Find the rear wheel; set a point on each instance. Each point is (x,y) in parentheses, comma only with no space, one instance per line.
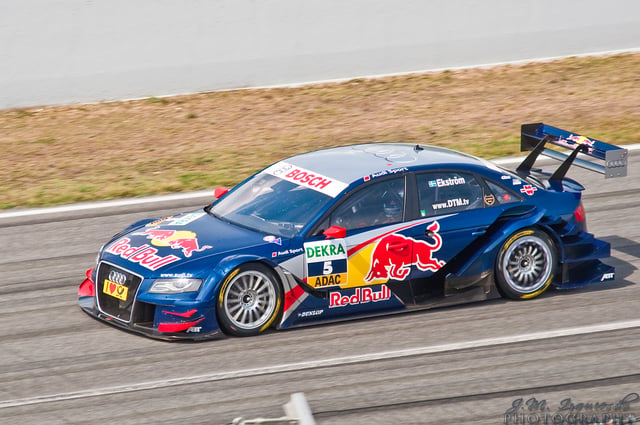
(249,301)
(526,264)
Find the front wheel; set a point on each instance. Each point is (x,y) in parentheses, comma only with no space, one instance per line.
(249,301)
(526,264)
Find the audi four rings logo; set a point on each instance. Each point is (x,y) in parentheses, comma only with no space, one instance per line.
(282,169)
(117,277)
(616,164)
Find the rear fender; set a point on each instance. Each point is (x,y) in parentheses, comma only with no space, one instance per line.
(481,259)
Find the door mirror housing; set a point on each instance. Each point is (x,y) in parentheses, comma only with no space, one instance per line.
(220,192)
(335,232)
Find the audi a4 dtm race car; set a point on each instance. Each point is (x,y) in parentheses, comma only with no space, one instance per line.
(357,230)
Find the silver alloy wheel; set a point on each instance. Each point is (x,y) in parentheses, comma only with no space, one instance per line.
(528,264)
(250,299)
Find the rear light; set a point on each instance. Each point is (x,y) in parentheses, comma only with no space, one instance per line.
(579,214)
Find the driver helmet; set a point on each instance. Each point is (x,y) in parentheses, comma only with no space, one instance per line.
(392,210)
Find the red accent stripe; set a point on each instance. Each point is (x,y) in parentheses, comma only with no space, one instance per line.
(292,296)
(186,314)
(177,327)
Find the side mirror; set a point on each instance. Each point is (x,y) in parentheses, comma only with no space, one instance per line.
(335,232)
(220,192)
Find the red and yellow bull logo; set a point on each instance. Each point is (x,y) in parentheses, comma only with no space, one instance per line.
(394,255)
(574,140)
(580,140)
(185,240)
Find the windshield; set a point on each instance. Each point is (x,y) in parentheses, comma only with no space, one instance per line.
(268,204)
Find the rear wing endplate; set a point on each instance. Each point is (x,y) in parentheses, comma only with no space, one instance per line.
(535,136)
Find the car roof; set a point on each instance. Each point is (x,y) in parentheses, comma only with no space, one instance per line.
(349,163)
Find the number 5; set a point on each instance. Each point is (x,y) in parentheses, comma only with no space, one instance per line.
(328,268)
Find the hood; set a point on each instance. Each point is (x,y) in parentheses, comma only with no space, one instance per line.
(171,243)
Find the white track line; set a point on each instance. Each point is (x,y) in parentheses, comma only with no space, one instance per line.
(331,362)
(418,71)
(100,205)
(449,68)
(86,206)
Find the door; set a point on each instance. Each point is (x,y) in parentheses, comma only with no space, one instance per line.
(367,214)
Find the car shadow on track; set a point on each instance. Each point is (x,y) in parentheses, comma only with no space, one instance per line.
(624,269)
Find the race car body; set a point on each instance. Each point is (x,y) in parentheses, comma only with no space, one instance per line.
(352,231)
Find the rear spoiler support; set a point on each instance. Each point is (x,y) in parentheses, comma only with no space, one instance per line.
(534,138)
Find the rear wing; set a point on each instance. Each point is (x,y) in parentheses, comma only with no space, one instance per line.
(535,136)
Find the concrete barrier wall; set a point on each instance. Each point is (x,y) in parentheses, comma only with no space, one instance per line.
(68,51)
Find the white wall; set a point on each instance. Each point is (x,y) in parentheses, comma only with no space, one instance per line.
(67,51)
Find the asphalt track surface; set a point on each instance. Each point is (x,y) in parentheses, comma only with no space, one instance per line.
(465,364)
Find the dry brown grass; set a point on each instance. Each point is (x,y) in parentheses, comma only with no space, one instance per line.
(63,154)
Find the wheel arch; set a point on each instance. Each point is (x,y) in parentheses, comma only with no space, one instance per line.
(228,264)
(235,270)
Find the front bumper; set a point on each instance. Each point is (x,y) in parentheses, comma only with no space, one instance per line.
(172,320)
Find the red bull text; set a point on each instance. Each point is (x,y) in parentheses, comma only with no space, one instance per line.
(144,255)
(361,296)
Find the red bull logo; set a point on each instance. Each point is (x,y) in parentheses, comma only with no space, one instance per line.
(176,239)
(580,140)
(394,255)
(573,141)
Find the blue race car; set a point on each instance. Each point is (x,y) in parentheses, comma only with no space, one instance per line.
(357,230)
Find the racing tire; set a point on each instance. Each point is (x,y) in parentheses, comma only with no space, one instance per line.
(249,301)
(526,264)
